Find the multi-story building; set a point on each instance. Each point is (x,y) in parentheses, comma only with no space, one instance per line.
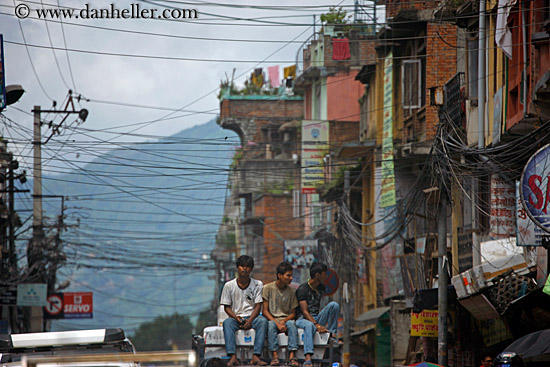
(259,214)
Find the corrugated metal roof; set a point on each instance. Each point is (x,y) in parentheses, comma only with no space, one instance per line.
(372,314)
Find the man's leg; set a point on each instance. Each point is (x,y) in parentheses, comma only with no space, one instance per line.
(309,332)
(272,332)
(329,317)
(292,332)
(230,326)
(260,326)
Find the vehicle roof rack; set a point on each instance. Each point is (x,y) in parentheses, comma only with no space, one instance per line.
(60,338)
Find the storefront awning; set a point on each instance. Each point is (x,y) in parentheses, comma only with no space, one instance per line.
(356,149)
(361,332)
(371,316)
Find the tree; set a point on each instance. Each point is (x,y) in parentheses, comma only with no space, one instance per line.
(164,333)
(335,16)
(206,318)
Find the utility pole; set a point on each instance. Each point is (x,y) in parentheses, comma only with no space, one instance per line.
(476,243)
(36,260)
(36,245)
(347,286)
(442,280)
(11,230)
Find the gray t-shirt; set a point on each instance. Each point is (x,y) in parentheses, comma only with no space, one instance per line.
(240,300)
(281,302)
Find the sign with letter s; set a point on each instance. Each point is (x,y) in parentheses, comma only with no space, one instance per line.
(535,188)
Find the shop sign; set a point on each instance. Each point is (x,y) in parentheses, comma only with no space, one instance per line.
(315,145)
(8,295)
(528,233)
(503,211)
(387,192)
(78,305)
(424,323)
(535,188)
(32,294)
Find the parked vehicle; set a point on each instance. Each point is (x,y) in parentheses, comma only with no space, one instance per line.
(47,344)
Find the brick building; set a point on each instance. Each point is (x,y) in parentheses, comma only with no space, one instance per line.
(258,213)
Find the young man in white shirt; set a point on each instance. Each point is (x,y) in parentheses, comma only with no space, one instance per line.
(242,301)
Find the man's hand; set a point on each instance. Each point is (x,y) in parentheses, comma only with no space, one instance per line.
(247,324)
(321,329)
(281,326)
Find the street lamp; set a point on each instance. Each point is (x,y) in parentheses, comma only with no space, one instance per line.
(13,94)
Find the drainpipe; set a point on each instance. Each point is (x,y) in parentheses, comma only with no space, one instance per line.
(442,281)
(524,32)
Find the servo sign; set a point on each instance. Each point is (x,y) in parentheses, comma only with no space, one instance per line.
(535,188)
(78,305)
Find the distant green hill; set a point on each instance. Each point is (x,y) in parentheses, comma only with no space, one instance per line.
(148,215)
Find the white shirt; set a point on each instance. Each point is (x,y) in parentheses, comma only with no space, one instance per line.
(240,300)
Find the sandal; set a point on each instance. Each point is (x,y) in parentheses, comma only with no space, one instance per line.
(275,362)
(234,364)
(259,362)
(293,362)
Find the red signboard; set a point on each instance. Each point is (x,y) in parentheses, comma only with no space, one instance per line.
(78,305)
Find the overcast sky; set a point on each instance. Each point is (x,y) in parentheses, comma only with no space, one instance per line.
(175,66)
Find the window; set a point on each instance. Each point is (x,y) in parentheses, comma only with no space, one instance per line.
(411,71)
(472,53)
(245,206)
(317,102)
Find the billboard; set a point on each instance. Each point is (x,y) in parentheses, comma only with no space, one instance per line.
(535,188)
(300,253)
(387,192)
(528,233)
(315,146)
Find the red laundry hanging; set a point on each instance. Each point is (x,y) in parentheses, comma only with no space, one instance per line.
(340,49)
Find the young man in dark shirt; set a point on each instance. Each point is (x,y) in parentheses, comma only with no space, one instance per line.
(312,318)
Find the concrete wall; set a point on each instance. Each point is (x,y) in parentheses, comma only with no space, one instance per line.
(343,92)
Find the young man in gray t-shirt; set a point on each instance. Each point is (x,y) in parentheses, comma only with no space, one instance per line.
(279,308)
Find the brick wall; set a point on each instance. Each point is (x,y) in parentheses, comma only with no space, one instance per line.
(343,132)
(440,66)
(261,108)
(362,50)
(277,213)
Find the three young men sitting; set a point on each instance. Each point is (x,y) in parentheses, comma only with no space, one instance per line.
(244,297)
